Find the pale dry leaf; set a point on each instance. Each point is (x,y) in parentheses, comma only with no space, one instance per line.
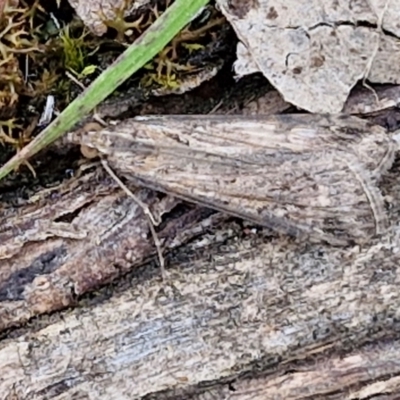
(94,12)
(244,65)
(315,51)
(391,21)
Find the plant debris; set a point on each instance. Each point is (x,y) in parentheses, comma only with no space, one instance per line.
(315,52)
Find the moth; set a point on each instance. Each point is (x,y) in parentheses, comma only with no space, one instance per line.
(299,174)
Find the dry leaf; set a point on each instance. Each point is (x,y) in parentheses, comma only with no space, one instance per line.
(314,52)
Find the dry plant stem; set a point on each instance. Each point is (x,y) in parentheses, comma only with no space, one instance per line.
(147,213)
(312,175)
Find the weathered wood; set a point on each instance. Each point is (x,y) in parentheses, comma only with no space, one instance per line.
(69,240)
(304,315)
(245,315)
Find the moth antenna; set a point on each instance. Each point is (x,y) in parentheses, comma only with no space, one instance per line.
(150,218)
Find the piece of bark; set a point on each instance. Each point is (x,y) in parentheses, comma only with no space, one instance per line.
(312,320)
(69,240)
(271,103)
(254,317)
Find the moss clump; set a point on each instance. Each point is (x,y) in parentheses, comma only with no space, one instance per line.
(123,26)
(73,50)
(14,42)
(169,68)
(33,62)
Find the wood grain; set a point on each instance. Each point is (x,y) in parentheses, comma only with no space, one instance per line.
(73,238)
(303,316)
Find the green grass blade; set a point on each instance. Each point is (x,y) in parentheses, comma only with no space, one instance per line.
(164,29)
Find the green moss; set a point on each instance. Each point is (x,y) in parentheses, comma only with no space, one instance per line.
(75,51)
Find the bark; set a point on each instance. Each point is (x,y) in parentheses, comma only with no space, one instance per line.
(72,238)
(243,314)
(259,317)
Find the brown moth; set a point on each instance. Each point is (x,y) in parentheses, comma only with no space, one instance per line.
(299,174)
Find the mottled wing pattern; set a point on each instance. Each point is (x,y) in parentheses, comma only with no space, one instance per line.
(298,174)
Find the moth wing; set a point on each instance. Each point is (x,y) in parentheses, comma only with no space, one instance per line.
(326,195)
(246,138)
(298,174)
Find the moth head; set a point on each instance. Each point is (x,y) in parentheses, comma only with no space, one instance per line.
(89,140)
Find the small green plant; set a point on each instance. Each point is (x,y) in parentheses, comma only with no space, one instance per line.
(75,52)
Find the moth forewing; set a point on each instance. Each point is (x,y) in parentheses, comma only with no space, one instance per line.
(299,174)
(244,135)
(333,201)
